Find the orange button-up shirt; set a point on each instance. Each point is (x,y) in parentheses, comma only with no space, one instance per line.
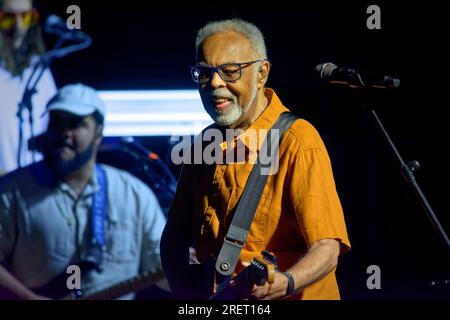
(299,204)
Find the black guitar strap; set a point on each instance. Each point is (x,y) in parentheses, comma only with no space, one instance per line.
(235,239)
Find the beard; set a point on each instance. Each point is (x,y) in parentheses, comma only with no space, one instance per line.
(64,167)
(232,113)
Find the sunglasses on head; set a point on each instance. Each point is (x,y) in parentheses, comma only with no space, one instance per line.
(9,19)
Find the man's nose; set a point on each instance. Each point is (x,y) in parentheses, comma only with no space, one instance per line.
(217,81)
(19,22)
(68,132)
(61,131)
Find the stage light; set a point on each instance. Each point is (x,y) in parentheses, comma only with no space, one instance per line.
(154,113)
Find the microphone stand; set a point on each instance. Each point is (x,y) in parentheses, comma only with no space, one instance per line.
(354,80)
(30,87)
(407,170)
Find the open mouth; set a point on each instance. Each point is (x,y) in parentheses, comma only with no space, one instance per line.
(65,145)
(65,148)
(222,103)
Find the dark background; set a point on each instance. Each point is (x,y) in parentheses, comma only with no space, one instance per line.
(138,45)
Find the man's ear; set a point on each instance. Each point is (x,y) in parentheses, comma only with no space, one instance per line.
(263,73)
(99,133)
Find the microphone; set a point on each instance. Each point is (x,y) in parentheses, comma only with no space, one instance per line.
(56,25)
(331,73)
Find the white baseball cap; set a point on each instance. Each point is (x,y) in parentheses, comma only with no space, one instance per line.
(77,99)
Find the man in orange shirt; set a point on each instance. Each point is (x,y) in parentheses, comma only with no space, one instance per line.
(299,217)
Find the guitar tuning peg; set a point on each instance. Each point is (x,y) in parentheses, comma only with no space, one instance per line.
(269,257)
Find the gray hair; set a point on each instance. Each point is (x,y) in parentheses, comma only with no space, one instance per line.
(247,29)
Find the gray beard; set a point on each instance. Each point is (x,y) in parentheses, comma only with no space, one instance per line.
(227,119)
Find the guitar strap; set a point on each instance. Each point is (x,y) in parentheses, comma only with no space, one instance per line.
(235,239)
(96,244)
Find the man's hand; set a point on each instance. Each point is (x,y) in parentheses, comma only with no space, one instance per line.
(270,291)
(320,259)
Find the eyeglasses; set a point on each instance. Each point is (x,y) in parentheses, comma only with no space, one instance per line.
(9,19)
(229,72)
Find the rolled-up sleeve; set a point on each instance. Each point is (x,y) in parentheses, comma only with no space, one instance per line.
(313,192)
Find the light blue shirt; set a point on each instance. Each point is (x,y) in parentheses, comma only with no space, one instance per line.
(43,227)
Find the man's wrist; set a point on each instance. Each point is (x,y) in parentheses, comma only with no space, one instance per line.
(291,284)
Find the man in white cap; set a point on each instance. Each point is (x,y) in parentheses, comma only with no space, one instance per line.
(68,210)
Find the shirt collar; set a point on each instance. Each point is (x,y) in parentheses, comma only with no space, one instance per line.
(91,187)
(258,129)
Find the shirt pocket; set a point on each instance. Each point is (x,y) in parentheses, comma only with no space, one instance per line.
(46,236)
(260,220)
(121,243)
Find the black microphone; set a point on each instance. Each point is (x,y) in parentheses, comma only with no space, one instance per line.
(56,25)
(331,73)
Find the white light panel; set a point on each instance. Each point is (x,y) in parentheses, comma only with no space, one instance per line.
(154,113)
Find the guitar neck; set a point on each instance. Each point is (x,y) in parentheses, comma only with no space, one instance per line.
(242,276)
(140,282)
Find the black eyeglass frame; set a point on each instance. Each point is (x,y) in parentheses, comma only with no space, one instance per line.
(218,69)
